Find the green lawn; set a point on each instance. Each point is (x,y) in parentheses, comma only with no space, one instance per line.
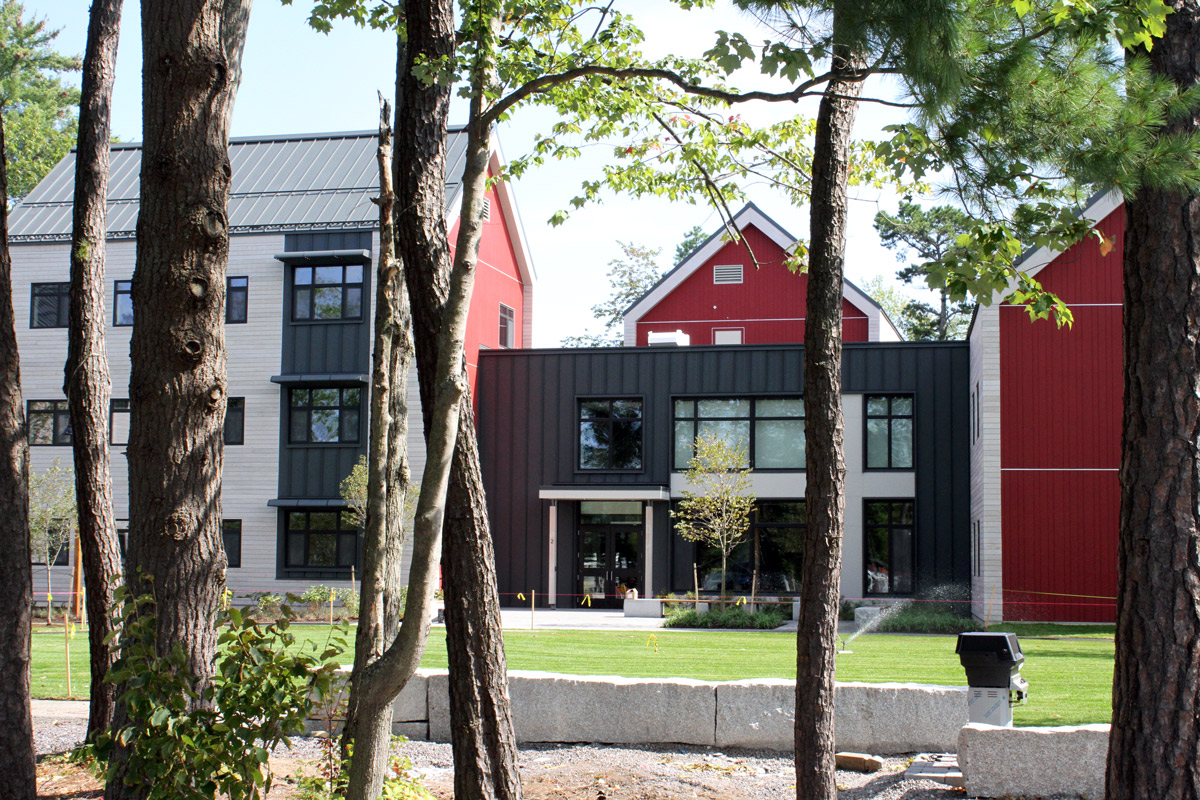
(1070,678)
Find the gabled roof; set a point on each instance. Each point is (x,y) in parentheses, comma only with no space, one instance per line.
(880,327)
(297,182)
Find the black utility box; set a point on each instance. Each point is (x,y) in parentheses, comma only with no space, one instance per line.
(990,659)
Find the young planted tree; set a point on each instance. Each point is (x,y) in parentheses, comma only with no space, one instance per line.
(53,519)
(86,377)
(716,506)
(16,590)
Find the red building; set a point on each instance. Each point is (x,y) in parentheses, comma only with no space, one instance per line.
(1045,439)
(742,292)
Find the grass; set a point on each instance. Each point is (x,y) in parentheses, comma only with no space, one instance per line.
(1070,679)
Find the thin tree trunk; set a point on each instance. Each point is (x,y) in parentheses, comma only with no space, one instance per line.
(86,379)
(484,744)
(191,65)
(825,492)
(370,730)
(1154,747)
(16,590)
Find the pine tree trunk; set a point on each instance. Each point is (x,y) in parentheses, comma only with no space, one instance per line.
(86,379)
(1154,749)
(825,493)
(191,64)
(484,744)
(16,590)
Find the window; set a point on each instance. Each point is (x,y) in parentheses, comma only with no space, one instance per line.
(237,296)
(888,534)
(327,293)
(321,539)
(51,305)
(324,416)
(610,434)
(507,328)
(235,420)
(976,428)
(889,432)
(231,537)
(767,561)
(122,538)
(977,548)
(118,422)
(727,336)
(771,429)
(49,422)
(57,542)
(123,303)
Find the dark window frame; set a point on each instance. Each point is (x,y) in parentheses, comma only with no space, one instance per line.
(122,289)
(752,419)
(233,558)
(307,409)
(230,291)
(346,534)
(889,526)
(60,436)
(61,292)
(742,559)
(61,559)
(113,410)
(507,334)
(580,420)
(235,409)
(342,286)
(891,417)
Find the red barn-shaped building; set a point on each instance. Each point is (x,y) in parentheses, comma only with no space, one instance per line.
(729,292)
(1045,439)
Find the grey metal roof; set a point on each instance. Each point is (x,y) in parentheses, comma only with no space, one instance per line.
(317,181)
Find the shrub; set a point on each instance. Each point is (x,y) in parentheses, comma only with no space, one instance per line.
(268,604)
(673,603)
(349,599)
(927,618)
(317,598)
(846,610)
(729,617)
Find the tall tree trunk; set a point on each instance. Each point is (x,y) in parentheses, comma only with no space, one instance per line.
(825,492)
(86,379)
(1154,749)
(16,590)
(369,729)
(191,65)
(484,744)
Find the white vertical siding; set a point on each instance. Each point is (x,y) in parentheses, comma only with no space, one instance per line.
(987,588)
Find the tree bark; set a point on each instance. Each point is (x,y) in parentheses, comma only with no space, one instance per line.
(191,64)
(484,745)
(86,377)
(1154,747)
(825,492)
(16,590)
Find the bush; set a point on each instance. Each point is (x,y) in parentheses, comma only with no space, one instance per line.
(673,603)
(349,599)
(846,610)
(927,618)
(729,617)
(268,605)
(317,598)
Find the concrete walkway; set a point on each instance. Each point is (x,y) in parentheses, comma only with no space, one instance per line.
(60,710)
(583,619)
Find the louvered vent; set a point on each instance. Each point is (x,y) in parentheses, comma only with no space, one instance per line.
(487,209)
(727,273)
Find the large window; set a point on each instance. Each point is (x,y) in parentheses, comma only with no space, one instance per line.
(888,546)
(237,296)
(889,432)
(324,416)
(118,422)
(49,422)
(321,539)
(768,561)
(327,293)
(770,429)
(51,305)
(507,326)
(610,434)
(123,303)
(231,537)
(235,420)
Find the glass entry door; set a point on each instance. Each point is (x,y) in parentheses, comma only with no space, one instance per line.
(609,563)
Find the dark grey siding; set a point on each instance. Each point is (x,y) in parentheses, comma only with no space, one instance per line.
(528,439)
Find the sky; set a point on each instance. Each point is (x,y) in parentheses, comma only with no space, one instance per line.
(296,80)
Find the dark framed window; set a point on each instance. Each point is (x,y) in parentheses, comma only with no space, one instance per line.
(321,539)
(235,420)
(49,422)
(769,429)
(118,422)
(123,303)
(231,537)
(324,416)
(237,298)
(610,434)
(768,560)
(51,305)
(507,326)
(122,538)
(888,546)
(62,558)
(327,293)
(889,439)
